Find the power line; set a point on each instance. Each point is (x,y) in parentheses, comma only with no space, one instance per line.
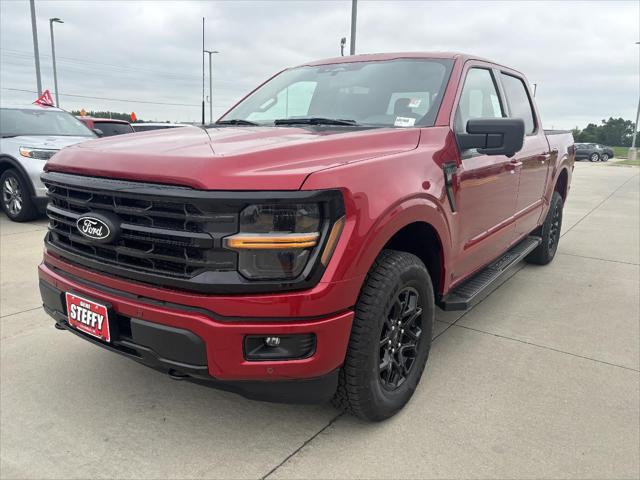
(112,99)
(21,53)
(83,64)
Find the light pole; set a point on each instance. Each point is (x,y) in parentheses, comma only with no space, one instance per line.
(210,52)
(633,153)
(202,70)
(53,56)
(36,51)
(354,15)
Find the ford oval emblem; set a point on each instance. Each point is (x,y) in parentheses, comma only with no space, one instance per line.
(97,227)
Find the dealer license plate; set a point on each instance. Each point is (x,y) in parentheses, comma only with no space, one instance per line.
(88,316)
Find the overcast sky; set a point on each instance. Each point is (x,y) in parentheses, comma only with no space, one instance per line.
(582,55)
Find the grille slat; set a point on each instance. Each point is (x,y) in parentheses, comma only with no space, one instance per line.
(144,212)
(161,235)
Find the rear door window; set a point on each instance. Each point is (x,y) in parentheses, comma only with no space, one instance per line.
(519,102)
(112,128)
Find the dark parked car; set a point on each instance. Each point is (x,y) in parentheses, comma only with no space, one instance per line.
(107,127)
(593,152)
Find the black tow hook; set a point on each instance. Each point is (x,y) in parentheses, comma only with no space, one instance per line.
(176,375)
(58,326)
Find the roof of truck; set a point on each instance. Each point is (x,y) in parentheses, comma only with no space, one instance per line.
(372,57)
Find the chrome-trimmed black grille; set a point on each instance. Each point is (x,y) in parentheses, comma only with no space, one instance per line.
(165,236)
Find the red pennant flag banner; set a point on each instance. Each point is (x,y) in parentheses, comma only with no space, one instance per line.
(45,99)
(133,116)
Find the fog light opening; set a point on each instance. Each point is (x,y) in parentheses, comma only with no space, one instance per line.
(279,347)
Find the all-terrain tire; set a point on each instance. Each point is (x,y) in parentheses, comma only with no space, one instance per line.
(550,233)
(361,390)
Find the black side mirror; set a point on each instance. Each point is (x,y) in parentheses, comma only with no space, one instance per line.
(493,136)
(98,132)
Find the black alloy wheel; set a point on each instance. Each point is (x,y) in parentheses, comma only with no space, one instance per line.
(400,338)
(549,233)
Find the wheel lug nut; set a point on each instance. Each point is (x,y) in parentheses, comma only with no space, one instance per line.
(389,342)
(393,350)
(392,327)
(402,331)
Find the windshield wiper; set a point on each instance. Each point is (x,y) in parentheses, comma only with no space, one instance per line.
(314,121)
(236,121)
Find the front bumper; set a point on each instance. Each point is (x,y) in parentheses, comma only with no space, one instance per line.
(186,342)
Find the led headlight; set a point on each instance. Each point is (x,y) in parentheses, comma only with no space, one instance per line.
(276,241)
(37,153)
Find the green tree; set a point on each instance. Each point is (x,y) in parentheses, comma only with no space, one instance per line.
(614,132)
(108,114)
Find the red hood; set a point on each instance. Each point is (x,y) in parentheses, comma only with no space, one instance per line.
(229,158)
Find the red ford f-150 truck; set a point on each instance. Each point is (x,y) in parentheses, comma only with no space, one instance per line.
(296,249)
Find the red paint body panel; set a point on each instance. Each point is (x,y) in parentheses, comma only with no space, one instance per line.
(389,178)
(224,339)
(242,158)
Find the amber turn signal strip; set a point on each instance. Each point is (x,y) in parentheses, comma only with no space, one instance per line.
(287,241)
(336,230)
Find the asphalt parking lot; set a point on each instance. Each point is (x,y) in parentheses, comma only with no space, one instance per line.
(540,380)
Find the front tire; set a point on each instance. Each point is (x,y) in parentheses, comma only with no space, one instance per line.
(594,157)
(551,227)
(605,157)
(16,201)
(390,338)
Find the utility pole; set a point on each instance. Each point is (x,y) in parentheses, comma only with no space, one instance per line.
(53,56)
(633,153)
(354,15)
(210,52)
(202,70)
(36,51)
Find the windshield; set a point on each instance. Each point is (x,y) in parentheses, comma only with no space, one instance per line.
(400,93)
(17,121)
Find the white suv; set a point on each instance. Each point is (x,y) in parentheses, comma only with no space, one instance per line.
(29,136)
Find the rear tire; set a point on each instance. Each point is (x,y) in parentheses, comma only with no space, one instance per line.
(551,228)
(390,338)
(15,198)
(605,157)
(594,157)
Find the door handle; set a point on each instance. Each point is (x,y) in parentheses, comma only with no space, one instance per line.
(512,166)
(547,156)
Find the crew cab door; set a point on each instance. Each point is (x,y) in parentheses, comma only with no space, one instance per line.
(487,184)
(534,158)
